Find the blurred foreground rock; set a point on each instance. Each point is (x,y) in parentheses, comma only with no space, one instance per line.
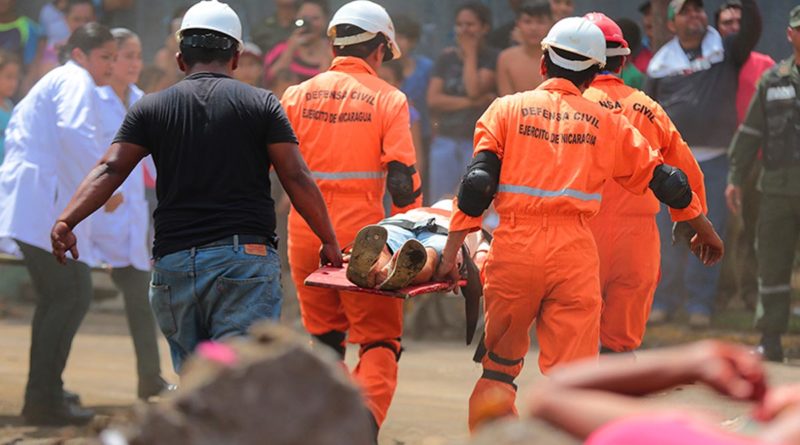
(519,432)
(269,389)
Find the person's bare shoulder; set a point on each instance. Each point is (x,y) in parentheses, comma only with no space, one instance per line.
(508,54)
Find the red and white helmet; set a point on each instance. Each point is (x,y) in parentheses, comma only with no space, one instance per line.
(612,33)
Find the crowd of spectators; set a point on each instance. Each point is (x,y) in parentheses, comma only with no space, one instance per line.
(709,68)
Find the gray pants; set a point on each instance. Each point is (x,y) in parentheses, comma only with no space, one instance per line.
(778,232)
(135,285)
(63,297)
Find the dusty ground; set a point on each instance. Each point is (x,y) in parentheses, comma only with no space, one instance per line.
(429,408)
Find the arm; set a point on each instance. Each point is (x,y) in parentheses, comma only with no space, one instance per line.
(504,84)
(678,154)
(744,149)
(581,397)
(470,48)
(398,155)
(305,196)
(750,32)
(440,102)
(94,191)
(661,33)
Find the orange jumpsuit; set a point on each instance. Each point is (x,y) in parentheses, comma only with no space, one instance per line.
(625,228)
(557,149)
(350,125)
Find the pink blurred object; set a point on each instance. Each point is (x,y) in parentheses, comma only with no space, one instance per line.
(217,352)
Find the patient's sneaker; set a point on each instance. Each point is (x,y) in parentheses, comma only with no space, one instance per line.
(367,248)
(406,264)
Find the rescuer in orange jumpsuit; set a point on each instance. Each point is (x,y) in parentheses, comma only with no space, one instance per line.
(543,157)
(625,228)
(354,134)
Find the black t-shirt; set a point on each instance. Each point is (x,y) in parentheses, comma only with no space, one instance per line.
(208,135)
(450,67)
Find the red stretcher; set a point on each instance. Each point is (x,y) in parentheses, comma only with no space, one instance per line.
(335,278)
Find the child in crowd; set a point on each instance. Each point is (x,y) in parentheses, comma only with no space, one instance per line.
(251,68)
(10,74)
(518,66)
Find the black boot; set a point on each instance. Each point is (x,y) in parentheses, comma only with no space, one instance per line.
(153,387)
(770,347)
(62,413)
(72,398)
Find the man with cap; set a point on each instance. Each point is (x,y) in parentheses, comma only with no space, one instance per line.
(543,156)
(355,134)
(625,228)
(695,77)
(213,140)
(772,124)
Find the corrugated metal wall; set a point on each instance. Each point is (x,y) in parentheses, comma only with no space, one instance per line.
(150,17)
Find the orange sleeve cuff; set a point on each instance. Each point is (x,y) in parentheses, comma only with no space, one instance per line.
(694,210)
(461,221)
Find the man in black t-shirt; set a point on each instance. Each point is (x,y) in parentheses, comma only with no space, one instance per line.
(213,140)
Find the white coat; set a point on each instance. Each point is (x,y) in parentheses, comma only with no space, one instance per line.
(119,238)
(51,145)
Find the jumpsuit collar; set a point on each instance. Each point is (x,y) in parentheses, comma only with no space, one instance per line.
(607,78)
(349,64)
(558,84)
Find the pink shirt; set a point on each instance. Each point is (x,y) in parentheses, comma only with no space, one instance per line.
(665,429)
(748,80)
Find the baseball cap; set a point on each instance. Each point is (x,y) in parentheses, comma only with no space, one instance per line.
(794,17)
(675,7)
(252,49)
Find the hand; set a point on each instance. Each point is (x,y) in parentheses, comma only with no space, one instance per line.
(330,255)
(63,240)
(447,270)
(298,38)
(682,232)
(706,245)
(733,196)
(114,202)
(468,43)
(776,401)
(732,370)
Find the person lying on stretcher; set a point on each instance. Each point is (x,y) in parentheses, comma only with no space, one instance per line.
(404,250)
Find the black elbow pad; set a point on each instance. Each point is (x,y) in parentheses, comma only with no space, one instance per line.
(479,184)
(671,186)
(400,183)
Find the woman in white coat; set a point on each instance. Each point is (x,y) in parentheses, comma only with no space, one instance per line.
(119,231)
(51,145)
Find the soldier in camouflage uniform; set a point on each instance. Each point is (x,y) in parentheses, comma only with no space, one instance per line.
(773,122)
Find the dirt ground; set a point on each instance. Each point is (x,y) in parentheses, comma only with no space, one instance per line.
(430,407)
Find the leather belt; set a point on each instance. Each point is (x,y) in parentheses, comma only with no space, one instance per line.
(242,239)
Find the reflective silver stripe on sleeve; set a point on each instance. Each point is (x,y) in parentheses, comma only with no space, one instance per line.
(348,175)
(750,131)
(779,289)
(539,193)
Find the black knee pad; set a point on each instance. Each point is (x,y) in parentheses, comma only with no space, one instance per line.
(398,351)
(334,340)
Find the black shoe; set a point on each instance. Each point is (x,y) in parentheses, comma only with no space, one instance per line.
(770,347)
(62,414)
(153,387)
(72,398)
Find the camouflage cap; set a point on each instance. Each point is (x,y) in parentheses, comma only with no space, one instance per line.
(675,7)
(794,17)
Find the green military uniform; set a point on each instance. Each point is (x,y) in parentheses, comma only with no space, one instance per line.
(773,122)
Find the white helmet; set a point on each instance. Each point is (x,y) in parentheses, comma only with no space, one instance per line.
(368,16)
(578,36)
(214,16)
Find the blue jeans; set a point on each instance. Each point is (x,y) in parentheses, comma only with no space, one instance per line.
(398,236)
(213,293)
(682,274)
(449,158)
